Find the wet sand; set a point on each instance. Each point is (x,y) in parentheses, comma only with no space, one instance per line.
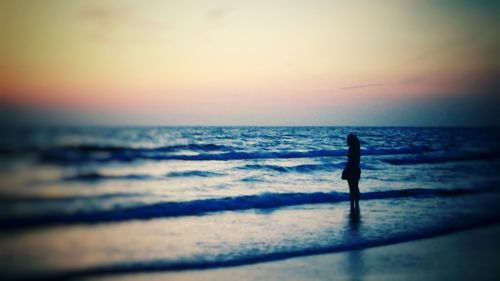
(467,255)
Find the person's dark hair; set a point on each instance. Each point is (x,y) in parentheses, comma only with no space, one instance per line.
(352,140)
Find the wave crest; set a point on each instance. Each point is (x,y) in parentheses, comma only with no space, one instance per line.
(201,206)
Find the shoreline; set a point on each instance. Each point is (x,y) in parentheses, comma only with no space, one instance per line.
(464,255)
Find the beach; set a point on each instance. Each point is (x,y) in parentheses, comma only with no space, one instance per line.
(205,202)
(466,255)
(249,140)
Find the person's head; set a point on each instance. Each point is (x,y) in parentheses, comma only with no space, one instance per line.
(352,140)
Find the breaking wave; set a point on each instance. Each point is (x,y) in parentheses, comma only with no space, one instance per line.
(202,206)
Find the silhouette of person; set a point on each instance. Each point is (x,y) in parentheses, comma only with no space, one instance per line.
(352,171)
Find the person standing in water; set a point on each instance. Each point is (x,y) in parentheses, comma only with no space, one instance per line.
(352,171)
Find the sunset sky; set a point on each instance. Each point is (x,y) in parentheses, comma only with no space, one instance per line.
(260,62)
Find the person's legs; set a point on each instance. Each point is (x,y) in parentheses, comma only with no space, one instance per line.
(356,193)
(352,194)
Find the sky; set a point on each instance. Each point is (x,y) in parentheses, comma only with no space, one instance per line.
(260,62)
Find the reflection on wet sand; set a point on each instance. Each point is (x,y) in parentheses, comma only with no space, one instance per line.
(355,258)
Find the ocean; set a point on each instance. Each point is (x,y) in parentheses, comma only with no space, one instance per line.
(87,201)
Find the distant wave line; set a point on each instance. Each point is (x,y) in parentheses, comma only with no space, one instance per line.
(304,168)
(96,176)
(428,159)
(23,199)
(68,157)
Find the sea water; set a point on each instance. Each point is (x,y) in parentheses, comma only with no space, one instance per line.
(85,201)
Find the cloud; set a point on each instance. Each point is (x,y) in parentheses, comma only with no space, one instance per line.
(441,48)
(414,80)
(217,14)
(361,86)
(105,17)
(105,20)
